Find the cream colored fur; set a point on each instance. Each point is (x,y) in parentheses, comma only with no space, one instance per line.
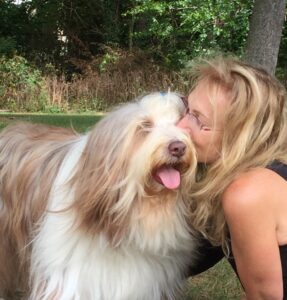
(82,217)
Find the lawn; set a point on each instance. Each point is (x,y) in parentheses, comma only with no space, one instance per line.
(80,123)
(218,283)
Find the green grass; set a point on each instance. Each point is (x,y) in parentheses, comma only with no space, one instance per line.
(218,283)
(80,122)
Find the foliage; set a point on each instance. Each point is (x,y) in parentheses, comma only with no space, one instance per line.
(117,77)
(282,58)
(183,29)
(21,86)
(14,27)
(176,31)
(7,46)
(55,31)
(92,54)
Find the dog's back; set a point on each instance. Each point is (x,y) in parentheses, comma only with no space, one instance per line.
(27,158)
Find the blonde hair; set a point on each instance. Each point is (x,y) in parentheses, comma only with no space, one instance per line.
(255,134)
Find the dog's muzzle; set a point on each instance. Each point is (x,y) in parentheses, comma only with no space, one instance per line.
(169,174)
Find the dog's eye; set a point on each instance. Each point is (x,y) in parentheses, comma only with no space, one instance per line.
(147,124)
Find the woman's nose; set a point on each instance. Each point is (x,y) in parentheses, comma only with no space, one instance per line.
(182,123)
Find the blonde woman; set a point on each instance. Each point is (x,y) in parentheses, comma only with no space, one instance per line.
(236,117)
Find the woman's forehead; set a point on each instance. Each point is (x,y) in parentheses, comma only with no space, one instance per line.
(209,90)
(209,99)
(200,92)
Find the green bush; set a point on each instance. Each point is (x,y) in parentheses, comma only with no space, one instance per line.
(21,86)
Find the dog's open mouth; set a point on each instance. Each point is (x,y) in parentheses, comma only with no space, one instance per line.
(168,176)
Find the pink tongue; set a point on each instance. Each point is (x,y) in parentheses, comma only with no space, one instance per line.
(170,177)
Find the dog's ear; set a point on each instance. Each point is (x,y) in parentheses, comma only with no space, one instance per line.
(101,176)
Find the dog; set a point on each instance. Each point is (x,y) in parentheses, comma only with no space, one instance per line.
(98,216)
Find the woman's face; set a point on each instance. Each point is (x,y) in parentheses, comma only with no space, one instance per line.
(204,120)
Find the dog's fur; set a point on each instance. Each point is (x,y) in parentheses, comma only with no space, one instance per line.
(83,217)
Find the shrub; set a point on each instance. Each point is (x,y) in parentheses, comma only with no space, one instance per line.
(21,86)
(116,77)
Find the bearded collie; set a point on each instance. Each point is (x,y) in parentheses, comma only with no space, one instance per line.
(98,216)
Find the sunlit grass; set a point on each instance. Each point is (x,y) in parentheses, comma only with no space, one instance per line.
(217,283)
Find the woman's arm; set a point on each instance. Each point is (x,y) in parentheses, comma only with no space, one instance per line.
(249,208)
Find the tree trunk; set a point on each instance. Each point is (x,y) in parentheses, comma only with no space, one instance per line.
(265,32)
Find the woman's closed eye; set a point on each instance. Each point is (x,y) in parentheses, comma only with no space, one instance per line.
(194,118)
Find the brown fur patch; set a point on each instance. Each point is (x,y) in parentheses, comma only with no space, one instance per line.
(30,157)
(96,177)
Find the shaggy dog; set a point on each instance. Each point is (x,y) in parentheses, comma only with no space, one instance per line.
(100,216)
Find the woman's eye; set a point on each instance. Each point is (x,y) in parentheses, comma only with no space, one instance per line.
(205,128)
(197,121)
(195,118)
(202,126)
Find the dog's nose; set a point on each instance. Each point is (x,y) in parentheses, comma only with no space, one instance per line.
(177,148)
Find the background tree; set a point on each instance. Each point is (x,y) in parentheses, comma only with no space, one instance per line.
(265,33)
(180,30)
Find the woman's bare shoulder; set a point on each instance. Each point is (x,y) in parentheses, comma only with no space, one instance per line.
(253,189)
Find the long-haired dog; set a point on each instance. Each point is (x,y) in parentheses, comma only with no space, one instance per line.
(100,216)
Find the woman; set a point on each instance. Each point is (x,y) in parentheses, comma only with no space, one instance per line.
(236,117)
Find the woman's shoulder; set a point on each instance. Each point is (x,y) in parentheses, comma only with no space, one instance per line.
(259,187)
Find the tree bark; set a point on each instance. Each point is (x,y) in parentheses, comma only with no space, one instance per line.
(266,25)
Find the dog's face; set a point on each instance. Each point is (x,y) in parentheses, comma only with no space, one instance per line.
(163,156)
(139,145)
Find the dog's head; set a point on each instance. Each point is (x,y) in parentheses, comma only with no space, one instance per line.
(163,156)
(136,151)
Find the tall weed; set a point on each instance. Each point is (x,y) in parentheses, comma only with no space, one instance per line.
(112,79)
(104,82)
